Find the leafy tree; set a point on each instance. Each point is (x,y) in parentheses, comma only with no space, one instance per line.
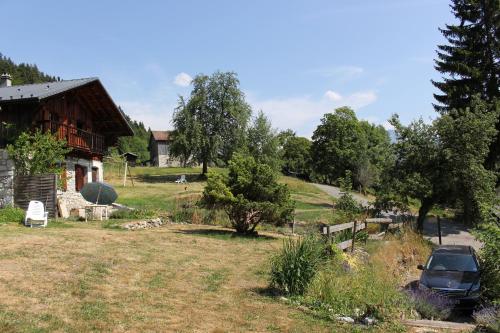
(338,144)
(419,170)
(470,63)
(37,153)
(186,133)
(250,194)
(466,141)
(377,156)
(296,156)
(217,114)
(263,142)
(138,143)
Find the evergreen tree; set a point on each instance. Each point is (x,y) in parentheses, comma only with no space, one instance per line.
(23,73)
(470,62)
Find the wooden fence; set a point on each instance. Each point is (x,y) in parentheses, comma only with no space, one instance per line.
(41,187)
(356,226)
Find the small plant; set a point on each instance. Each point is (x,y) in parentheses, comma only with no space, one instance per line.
(297,263)
(11,214)
(431,305)
(488,318)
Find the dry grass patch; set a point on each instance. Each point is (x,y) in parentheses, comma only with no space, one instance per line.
(87,278)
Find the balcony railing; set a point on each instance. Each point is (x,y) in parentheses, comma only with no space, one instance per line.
(76,138)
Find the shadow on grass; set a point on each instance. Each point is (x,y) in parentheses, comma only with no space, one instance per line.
(190,178)
(224,234)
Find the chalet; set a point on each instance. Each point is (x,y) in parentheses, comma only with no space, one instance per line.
(78,111)
(159,148)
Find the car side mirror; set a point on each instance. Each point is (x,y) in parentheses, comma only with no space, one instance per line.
(421,267)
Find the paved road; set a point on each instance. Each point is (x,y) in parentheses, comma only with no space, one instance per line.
(335,192)
(452,233)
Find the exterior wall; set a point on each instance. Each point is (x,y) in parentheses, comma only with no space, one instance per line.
(161,155)
(6,180)
(73,200)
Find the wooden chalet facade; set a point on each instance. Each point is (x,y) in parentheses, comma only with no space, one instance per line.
(81,112)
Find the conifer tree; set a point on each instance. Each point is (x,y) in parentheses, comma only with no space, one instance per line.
(469,63)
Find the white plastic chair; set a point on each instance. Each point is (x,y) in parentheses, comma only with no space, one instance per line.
(36,212)
(181,180)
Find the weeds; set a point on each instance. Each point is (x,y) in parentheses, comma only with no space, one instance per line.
(295,266)
(213,281)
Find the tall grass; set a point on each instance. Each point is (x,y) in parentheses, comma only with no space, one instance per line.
(295,266)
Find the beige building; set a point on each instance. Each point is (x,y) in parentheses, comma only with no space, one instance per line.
(159,148)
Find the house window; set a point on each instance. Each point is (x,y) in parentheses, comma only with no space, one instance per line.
(80,177)
(95,174)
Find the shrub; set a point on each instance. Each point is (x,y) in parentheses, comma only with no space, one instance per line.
(431,305)
(295,266)
(11,214)
(489,233)
(250,195)
(37,153)
(367,291)
(488,318)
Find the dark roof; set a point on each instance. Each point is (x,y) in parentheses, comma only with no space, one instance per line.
(41,90)
(161,135)
(453,249)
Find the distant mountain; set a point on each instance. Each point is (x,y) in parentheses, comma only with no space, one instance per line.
(24,73)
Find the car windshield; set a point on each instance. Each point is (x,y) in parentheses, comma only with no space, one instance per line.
(452,262)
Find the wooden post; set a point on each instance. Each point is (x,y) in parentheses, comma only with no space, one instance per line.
(130,174)
(439,229)
(353,235)
(125,174)
(366,230)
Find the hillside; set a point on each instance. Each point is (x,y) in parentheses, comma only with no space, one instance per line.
(24,73)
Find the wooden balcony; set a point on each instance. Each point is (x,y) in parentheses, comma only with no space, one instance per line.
(76,138)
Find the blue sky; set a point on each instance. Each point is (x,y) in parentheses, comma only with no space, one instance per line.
(296,60)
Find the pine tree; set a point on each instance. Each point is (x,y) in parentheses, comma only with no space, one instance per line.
(470,62)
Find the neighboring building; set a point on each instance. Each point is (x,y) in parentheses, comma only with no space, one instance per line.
(159,148)
(78,111)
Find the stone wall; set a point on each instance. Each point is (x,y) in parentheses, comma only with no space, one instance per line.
(6,179)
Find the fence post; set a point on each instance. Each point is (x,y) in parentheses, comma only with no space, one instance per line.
(353,235)
(439,229)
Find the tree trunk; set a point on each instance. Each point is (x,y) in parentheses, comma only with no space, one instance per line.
(205,167)
(425,206)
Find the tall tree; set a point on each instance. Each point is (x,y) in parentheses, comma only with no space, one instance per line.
(419,170)
(470,63)
(296,156)
(338,144)
(263,142)
(219,112)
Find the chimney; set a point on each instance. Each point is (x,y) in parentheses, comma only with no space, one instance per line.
(5,80)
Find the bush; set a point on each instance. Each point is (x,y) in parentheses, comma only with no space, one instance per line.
(11,214)
(431,305)
(297,263)
(489,233)
(250,195)
(488,318)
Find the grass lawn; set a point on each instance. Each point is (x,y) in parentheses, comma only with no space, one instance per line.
(155,188)
(77,277)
